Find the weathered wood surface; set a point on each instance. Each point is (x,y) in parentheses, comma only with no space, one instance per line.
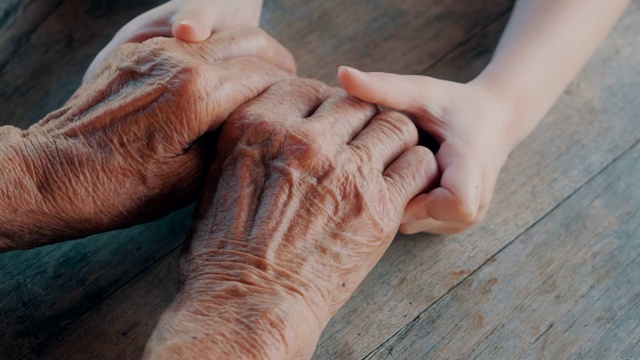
(14,30)
(99,297)
(56,43)
(566,288)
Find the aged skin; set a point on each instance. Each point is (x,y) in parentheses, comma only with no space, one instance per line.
(306,194)
(125,148)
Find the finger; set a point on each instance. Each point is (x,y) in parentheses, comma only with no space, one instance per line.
(293,99)
(400,92)
(244,41)
(385,138)
(195,20)
(234,83)
(146,26)
(345,115)
(412,225)
(458,197)
(414,171)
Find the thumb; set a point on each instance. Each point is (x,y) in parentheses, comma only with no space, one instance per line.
(195,21)
(400,92)
(459,196)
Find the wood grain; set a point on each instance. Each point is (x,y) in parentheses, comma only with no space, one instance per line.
(567,288)
(48,45)
(394,36)
(48,288)
(118,328)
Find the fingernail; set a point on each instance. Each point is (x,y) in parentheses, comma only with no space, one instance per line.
(190,23)
(349,68)
(189,30)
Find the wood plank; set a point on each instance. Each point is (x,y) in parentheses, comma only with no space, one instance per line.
(119,327)
(19,19)
(567,288)
(591,125)
(46,289)
(47,59)
(401,37)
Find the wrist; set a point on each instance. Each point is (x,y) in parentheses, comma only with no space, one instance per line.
(33,201)
(513,111)
(19,195)
(229,319)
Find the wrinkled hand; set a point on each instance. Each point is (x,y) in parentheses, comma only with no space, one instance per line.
(125,148)
(306,194)
(187,20)
(472,130)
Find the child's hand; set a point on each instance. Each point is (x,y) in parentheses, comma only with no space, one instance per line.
(474,137)
(188,20)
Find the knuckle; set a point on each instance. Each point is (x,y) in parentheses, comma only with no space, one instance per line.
(427,156)
(155,42)
(315,141)
(426,108)
(340,96)
(301,147)
(429,164)
(151,59)
(397,125)
(307,87)
(129,54)
(362,153)
(372,109)
(127,48)
(251,127)
(187,81)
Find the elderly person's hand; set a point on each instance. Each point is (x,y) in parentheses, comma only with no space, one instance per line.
(187,20)
(125,148)
(306,194)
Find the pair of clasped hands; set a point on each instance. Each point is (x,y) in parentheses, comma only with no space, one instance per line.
(300,193)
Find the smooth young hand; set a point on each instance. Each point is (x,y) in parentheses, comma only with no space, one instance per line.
(187,20)
(474,138)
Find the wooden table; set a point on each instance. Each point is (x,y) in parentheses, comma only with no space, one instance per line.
(553,272)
